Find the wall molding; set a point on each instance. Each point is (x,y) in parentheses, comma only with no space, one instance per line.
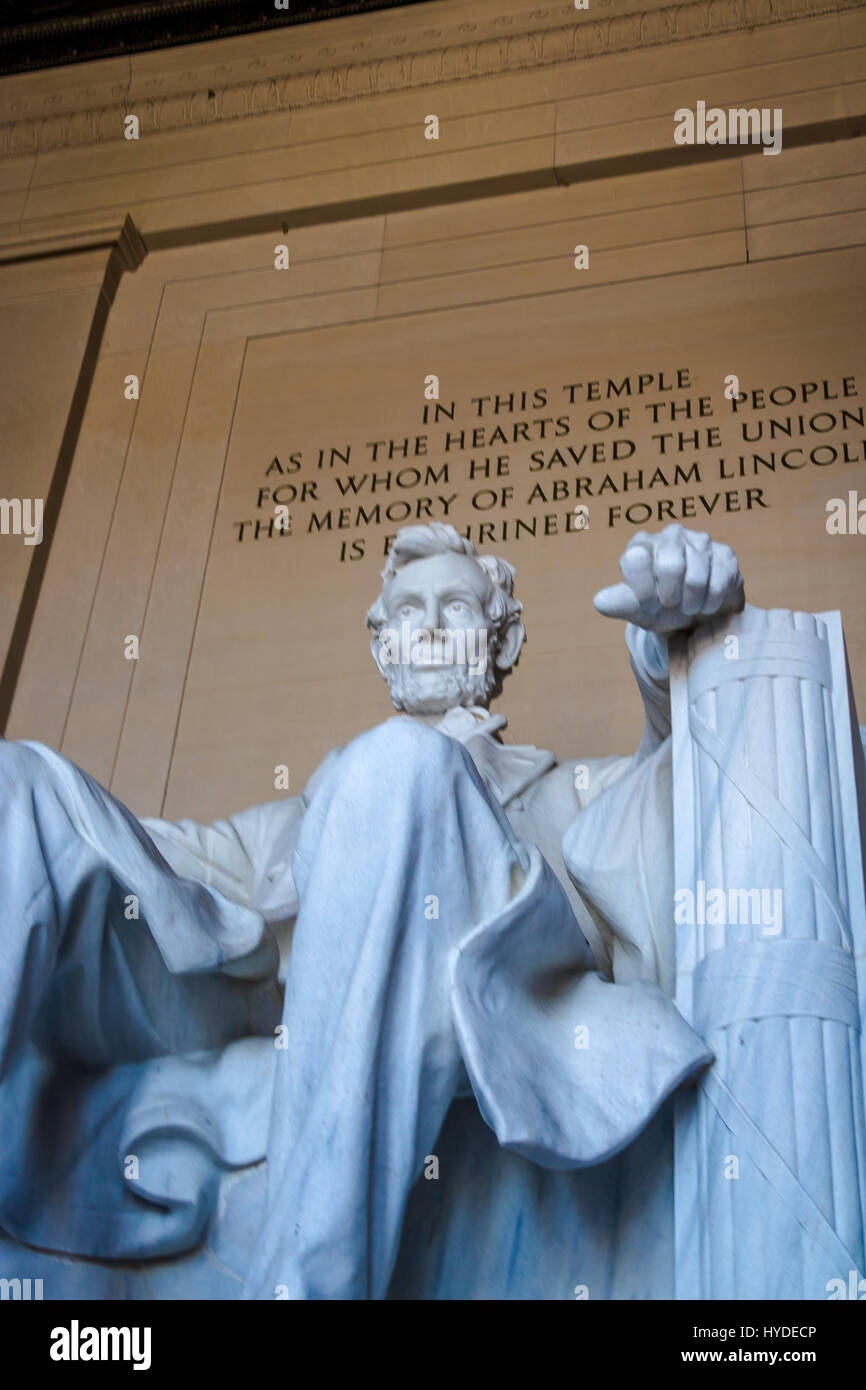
(121,238)
(239,78)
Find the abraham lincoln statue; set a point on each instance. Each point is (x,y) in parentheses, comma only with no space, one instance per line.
(410,1034)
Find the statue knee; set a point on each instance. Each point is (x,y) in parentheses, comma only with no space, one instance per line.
(402,744)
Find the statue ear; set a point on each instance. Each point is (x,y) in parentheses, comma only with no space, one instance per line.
(509,642)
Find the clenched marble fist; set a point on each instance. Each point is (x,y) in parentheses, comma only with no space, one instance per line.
(674,580)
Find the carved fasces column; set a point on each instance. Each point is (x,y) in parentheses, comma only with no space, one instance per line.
(770,933)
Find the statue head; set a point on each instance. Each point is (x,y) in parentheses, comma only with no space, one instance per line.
(446,628)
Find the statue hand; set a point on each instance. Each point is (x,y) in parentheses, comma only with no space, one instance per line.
(674,580)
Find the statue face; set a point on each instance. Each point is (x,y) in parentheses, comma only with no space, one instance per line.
(436,638)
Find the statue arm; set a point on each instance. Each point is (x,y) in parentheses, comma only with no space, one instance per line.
(648,653)
(215,855)
(247,857)
(672,581)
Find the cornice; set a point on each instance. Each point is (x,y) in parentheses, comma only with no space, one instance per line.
(52,37)
(289,69)
(123,236)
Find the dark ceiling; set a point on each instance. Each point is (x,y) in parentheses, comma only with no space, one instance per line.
(52,33)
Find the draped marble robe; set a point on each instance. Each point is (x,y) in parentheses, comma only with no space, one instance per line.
(499,1225)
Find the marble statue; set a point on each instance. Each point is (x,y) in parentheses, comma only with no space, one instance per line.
(433,1029)
(770,945)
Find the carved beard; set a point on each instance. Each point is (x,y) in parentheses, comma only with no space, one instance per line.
(450,688)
